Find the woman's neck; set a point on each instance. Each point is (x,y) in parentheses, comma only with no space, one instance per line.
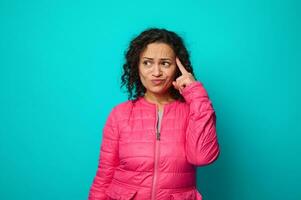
(158,99)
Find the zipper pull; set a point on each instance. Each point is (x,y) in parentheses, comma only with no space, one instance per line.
(158,135)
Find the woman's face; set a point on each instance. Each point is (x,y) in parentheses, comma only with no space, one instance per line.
(157,68)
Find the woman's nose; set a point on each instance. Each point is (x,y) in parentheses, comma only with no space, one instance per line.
(157,70)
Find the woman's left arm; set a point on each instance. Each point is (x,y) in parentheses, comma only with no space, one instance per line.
(202,146)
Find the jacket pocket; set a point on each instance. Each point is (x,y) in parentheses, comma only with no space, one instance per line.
(116,192)
(187,195)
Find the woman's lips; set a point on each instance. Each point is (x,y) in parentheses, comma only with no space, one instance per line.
(157,82)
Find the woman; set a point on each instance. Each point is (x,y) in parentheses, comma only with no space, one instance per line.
(153,142)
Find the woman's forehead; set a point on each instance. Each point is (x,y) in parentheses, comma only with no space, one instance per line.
(158,50)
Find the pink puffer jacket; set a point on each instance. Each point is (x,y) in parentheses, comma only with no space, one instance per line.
(139,162)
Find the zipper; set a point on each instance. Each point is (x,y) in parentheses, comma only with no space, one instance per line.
(157,152)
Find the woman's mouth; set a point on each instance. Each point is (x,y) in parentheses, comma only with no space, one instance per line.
(157,81)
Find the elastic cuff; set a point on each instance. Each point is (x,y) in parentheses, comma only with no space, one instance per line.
(195,89)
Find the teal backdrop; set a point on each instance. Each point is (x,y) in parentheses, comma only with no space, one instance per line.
(60,74)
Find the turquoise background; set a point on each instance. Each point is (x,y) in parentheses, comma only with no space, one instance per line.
(60,73)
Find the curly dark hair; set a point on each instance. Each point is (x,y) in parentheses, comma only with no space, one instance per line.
(130,76)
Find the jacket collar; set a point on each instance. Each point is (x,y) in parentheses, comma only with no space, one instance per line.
(145,102)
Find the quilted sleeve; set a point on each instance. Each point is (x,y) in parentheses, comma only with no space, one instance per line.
(108,159)
(202,146)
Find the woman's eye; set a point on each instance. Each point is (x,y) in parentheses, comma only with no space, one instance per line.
(166,64)
(146,62)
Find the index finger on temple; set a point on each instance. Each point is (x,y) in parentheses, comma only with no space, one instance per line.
(181,67)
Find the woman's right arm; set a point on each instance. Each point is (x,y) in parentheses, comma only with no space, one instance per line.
(108,159)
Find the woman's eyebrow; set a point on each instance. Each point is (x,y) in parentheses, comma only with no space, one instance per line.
(166,59)
(160,58)
(148,58)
